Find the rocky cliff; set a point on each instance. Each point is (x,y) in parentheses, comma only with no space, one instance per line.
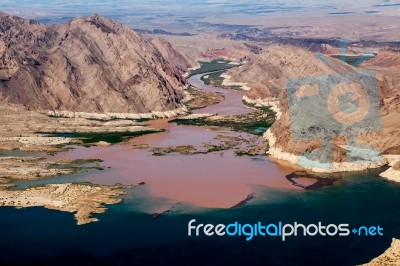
(90,64)
(267,76)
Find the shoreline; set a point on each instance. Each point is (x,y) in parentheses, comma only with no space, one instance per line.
(390,174)
(110,116)
(279,154)
(82,199)
(391,256)
(89,198)
(273,103)
(228,83)
(393,173)
(274,152)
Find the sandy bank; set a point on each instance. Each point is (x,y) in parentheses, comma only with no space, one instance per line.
(228,82)
(81,199)
(391,257)
(28,131)
(109,116)
(273,103)
(393,173)
(31,168)
(196,116)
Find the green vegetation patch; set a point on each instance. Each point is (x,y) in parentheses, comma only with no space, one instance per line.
(202,99)
(215,65)
(215,79)
(106,119)
(354,60)
(255,123)
(110,137)
(253,151)
(118,119)
(79,165)
(184,150)
(85,161)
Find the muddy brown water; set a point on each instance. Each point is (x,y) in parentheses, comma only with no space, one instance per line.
(232,105)
(214,180)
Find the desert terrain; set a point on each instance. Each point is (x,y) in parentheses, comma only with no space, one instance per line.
(100,80)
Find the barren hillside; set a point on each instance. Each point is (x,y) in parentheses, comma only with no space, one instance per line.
(268,74)
(90,64)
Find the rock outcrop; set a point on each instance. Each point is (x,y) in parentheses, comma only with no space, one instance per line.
(91,64)
(390,257)
(267,77)
(81,199)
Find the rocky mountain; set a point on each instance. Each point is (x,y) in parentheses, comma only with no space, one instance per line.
(267,76)
(91,64)
(179,60)
(268,72)
(388,58)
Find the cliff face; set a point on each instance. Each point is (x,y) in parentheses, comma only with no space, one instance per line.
(88,65)
(267,73)
(267,76)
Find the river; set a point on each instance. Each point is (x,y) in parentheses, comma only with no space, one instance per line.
(214,180)
(201,187)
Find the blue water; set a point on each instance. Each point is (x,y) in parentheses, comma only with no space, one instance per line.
(128,235)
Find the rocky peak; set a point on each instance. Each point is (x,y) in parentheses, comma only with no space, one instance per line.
(91,64)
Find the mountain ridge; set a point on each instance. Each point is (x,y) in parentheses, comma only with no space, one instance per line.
(91,64)
(267,75)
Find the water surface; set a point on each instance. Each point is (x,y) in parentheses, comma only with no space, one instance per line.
(201,187)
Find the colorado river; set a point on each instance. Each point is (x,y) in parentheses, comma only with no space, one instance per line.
(232,105)
(215,180)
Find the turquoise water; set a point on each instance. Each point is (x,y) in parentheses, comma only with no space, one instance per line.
(128,235)
(354,60)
